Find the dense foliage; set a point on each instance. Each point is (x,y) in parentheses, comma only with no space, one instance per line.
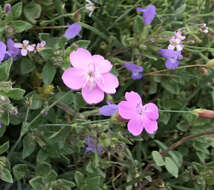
(56,138)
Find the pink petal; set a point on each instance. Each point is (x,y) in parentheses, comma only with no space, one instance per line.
(135,127)
(18,45)
(150,126)
(151,111)
(102,65)
(74,78)
(133,97)
(92,96)
(171,47)
(23,52)
(81,58)
(109,83)
(127,110)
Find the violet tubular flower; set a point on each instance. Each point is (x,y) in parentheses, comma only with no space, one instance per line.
(73,31)
(92,146)
(135,70)
(12,51)
(140,116)
(108,110)
(148,14)
(172,57)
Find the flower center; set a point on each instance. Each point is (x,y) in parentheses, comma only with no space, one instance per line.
(139,109)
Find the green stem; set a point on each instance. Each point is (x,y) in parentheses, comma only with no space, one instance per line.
(175,111)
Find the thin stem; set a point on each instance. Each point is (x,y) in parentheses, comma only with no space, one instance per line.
(176,111)
(180,67)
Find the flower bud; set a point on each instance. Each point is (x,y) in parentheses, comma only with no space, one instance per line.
(204,113)
(210,64)
(7,8)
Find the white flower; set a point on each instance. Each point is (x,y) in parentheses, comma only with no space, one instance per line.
(90,7)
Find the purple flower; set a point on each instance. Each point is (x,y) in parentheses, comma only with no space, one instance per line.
(0,125)
(25,47)
(7,8)
(136,70)
(2,51)
(148,14)
(171,57)
(12,51)
(73,30)
(108,110)
(92,146)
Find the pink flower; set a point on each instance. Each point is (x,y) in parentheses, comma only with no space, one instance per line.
(178,35)
(175,43)
(140,116)
(91,74)
(25,47)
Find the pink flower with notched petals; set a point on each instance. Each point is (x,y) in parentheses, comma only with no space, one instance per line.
(91,73)
(25,47)
(140,116)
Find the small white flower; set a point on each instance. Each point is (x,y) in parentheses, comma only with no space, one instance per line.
(204,28)
(90,7)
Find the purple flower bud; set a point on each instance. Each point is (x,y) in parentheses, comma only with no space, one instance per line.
(73,30)
(7,8)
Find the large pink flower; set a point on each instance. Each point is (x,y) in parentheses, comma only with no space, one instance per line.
(140,116)
(91,74)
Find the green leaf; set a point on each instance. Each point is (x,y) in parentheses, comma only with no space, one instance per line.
(5,69)
(16,10)
(48,73)
(26,65)
(16,93)
(20,171)
(47,54)
(32,11)
(4,147)
(83,43)
(79,178)
(5,119)
(28,146)
(36,182)
(171,167)
(36,101)
(21,26)
(5,175)
(157,157)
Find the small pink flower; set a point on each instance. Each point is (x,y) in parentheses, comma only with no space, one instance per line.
(40,46)
(178,35)
(140,116)
(25,47)
(91,74)
(175,43)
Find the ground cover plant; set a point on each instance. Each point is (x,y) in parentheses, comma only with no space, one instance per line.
(106,94)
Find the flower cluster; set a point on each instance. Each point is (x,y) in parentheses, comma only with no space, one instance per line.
(173,53)
(26,48)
